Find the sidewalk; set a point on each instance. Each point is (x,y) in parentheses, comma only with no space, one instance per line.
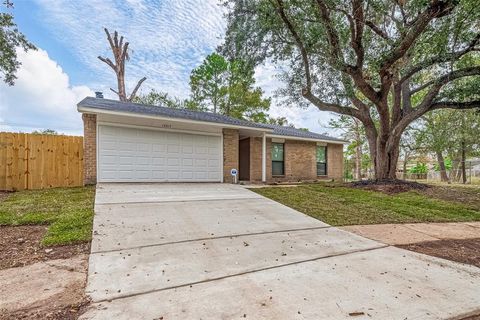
(399,234)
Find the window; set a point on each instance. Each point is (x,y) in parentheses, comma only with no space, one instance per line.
(321,161)
(278,168)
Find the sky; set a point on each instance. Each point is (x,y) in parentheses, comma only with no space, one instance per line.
(168,39)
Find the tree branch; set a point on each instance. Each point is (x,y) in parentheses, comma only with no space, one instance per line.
(359,18)
(354,71)
(134,92)
(427,104)
(333,39)
(109,62)
(109,38)
(332,107)
(440,59)
(437,8)
(421,87)
(377,30)
(441,81)
(455,105)
(299,43)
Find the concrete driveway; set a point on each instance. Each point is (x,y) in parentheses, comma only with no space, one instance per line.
(220,251)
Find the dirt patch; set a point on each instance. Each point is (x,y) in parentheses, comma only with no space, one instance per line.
(465,195)
(50,311)
(21,246)
(4,195)
(464,251)
(389,186)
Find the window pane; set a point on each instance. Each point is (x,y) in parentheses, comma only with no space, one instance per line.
(277,168)
(321,154)
(321,169)
(277,152)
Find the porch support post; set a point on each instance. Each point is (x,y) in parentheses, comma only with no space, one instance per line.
(264,158)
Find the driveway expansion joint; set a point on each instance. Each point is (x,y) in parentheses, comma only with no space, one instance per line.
(210,238)
(173,201)
(239,274)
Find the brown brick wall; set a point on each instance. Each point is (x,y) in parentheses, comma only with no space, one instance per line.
(255,159)
(90,148)
(230,153)
(335,161)
(300,161)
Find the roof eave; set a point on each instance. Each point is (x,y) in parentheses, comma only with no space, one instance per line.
(92,110)
(281,136)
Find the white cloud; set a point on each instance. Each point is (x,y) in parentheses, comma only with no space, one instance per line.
(42,97)
(169,38)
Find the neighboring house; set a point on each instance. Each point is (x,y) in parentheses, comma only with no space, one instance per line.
(128,142)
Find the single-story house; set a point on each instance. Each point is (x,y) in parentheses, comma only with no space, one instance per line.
(129,142)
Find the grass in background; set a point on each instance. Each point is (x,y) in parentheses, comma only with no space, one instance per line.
(67,211)
(342,205)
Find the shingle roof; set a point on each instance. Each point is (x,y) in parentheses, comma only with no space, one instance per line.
(128,107)
(293,132)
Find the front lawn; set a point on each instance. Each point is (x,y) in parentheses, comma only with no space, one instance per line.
(343,205)
(67,211)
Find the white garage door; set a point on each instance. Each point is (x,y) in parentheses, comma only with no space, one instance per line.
(141,155)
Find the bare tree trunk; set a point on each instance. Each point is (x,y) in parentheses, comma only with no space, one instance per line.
(464,170)
(120,55)
(441,165)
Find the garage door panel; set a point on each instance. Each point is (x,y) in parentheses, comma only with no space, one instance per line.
(131,154)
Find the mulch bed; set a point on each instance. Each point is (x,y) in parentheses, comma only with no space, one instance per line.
(389,186)
(464,251)
(21,246)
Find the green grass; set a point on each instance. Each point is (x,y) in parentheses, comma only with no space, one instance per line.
(342,205)
(67,211)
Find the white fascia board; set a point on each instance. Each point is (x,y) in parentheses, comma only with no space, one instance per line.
(304,139)
(145,116)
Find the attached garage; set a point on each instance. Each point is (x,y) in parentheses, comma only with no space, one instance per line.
(127,154)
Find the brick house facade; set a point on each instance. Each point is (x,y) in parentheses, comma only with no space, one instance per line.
(240,146)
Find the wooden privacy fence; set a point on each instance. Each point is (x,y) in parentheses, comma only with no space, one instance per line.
(36,161)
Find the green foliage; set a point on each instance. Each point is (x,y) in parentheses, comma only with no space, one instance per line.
(444,131)
(10,40)
(163,99)
(227,87)
(447,163)
(45,131)
(67,211)
(419,168)
(352,130)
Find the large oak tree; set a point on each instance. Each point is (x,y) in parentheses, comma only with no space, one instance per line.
(369,59)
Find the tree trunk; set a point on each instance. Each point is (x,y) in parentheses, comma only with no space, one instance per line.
(387,160)
(405,159)
(358,156)
(441,165)
(122,94)
(464,170)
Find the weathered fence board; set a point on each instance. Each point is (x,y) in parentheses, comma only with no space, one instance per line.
(37,161)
